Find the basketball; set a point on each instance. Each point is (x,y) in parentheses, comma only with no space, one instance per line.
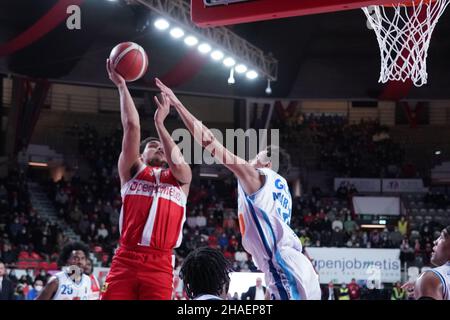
(129,60)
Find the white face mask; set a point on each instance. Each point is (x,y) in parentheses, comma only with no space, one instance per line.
(38,288)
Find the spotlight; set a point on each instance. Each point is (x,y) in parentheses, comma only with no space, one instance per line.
(252,75)
(204,48)
(191,41)
(437,152)
(229,62)
(217,55)
(241,68)
(176,33)
(161,24)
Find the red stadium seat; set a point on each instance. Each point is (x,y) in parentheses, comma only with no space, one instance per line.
(44,265)
(24,255)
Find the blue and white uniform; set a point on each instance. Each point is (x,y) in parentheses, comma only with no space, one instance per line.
(264,219)
(69,290)
(443,273)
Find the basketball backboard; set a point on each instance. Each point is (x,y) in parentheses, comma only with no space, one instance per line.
(213,13)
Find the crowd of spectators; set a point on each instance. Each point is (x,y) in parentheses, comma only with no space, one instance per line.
(352,150)
(26,240)
(319,223)
(356,150)
(436,200)
(23,233)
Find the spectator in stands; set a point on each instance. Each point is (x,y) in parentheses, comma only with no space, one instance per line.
(241,257)
(337,224)
(44,247)
(375,239)
(354,290)
(235,296)
(7,255)
(15,227)
(329,292)
(406,252)
(12,276)
(191,220)
(19,292)
(337,238)
(201,220)
(257,292)
(352,190)
(304,238)
(102,233)
(395,238)
(38,285)
(326,224)
(42,276)
(308,219)
(402,226)
(343,292)
(75,215)
(223,241)
(23,237)
(28,276)
(372,291)
(342,191)
(350,225)
(398,293)
(6,285)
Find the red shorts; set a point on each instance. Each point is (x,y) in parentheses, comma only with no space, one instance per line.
(139,274)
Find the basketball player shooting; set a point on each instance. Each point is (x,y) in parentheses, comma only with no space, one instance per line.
(154,191)
(264,205)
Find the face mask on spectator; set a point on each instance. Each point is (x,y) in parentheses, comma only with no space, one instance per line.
(38,288)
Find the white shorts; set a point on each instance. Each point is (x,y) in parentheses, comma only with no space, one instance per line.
(291,276)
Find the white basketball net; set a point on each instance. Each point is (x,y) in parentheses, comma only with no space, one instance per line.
(404,35)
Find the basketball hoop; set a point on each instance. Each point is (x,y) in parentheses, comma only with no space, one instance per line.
(404,32)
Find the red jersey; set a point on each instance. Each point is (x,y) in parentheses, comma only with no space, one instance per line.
(153,210)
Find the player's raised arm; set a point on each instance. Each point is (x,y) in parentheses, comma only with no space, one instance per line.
(129,157)
(180,169)
(428,286)
(247,174)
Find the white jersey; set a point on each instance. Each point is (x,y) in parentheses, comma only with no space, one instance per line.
(264,219)
(69,290)
(443,272)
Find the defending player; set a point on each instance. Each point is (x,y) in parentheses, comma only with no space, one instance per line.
(264,205)
(434,284)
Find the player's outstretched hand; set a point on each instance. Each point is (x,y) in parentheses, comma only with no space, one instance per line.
(116,78)
(163,105)
(169,93)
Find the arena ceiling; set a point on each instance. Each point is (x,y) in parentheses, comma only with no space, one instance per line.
(330,55)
